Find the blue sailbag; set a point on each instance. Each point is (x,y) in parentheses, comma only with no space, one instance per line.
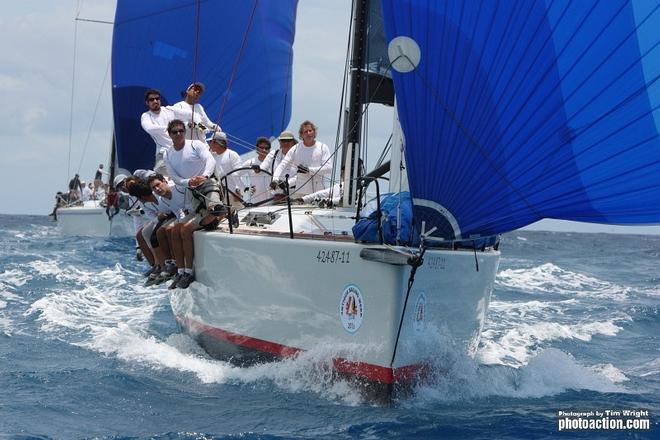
(517,111)
(241,51)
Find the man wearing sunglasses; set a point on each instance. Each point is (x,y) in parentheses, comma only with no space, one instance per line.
(191,165)
(154,122)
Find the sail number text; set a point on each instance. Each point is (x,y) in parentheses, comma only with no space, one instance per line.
(333,257)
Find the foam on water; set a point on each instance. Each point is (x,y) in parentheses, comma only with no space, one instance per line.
(107,311)
(111,314)
(14,277)
(549,278)
(104,312)
(550,372)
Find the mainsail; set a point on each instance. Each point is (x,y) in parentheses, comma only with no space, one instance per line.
(241,51)
(522,110)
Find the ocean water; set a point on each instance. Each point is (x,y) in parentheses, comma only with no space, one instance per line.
(87,352)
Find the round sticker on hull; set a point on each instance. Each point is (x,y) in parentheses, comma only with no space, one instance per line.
(351,308)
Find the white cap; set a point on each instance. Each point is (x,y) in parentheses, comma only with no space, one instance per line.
(119,178)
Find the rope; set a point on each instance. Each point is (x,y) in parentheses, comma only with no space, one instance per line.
(415,263)
(73,83)
(237,62)
(91,124)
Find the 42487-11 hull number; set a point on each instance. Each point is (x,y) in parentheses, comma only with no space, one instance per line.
(333,257)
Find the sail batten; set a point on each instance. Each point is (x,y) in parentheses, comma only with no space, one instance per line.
(519,111)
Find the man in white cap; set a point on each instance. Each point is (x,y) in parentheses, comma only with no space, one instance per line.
(192,113)
(274,158)
(310,159)
(227,160)
(154,121)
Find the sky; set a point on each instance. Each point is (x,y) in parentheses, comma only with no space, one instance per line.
(37,76)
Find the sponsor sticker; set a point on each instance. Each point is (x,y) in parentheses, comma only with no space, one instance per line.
(351,308)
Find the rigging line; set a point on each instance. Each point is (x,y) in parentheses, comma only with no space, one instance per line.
(471,139)
(73,83)
(91,124)
(94,21)
(198,11)
(162,12)
(386,150)
(599,94)
(289,81)
(340,117)
(195,60)
(415,262)
(550,68)
(237,62)
(366,107)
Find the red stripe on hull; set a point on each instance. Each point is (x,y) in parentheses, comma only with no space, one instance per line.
(371,372)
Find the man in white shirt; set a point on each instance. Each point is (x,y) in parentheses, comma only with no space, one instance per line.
(310,158)
(192,113)
(173,204)
(154,121)
(274,158)
(86,191)
(227,160)
(191,166)
(258,181)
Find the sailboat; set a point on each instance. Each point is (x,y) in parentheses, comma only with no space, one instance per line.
(90,217)
(506,113)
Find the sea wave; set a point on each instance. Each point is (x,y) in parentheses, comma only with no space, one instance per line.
(548,373)
(514,346)
(549,278)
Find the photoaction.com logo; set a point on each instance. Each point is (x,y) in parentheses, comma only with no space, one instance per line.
(607,419)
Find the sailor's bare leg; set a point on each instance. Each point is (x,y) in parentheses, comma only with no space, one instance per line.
(177,246)
(144,247)
(187,230)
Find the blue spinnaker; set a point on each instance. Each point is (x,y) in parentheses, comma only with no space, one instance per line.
(240,50)
(522,110)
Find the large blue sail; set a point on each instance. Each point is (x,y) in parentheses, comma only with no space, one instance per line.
(522,110)
(240,50)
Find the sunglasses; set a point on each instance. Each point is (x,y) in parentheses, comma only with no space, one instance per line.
(177,131)
(153,99)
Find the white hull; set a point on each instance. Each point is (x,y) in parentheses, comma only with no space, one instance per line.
(262,296)
(91,220)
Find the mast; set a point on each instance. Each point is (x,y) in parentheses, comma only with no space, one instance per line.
(113,160)
(351,150)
